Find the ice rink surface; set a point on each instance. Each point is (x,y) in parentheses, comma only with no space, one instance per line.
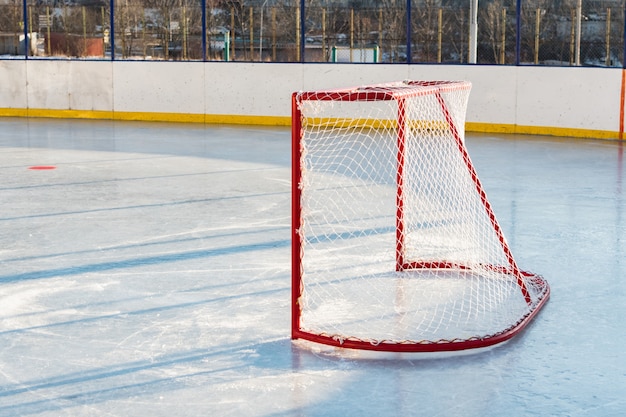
(148,274)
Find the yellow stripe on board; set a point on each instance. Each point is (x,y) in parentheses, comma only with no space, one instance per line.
(69,114)
(149,116)
(158,117)
(540,130)
(286,121)
(14,112)
(248,120)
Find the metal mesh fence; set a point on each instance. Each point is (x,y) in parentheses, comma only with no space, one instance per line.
(508,32)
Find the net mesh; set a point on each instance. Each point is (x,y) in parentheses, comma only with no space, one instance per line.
(397,242)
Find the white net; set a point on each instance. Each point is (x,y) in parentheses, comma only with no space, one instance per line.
(397,242)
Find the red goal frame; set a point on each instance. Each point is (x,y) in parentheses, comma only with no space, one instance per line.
(384,92)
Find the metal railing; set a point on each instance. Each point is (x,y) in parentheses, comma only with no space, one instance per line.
(507,32)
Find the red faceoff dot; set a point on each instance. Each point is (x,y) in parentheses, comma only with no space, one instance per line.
(42,167)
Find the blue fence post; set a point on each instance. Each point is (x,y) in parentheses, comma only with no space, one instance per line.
(409,32)
(302,31)
(204,31)
(25,24)
(112,28)
(518,32)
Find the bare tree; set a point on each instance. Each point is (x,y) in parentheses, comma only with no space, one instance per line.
(10,18)
(492,24)
(392,21)
(425,30)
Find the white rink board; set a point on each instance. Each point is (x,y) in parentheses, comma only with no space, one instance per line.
(91,86)
(49,86)
(251,89)
(83,85)
(585,98)
(326,76)
(493,97)
(159,87)
(539,97)
(13,85)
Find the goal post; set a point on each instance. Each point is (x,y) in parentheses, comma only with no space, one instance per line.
(395,246)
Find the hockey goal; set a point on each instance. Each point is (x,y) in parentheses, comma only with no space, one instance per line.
(395,246)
